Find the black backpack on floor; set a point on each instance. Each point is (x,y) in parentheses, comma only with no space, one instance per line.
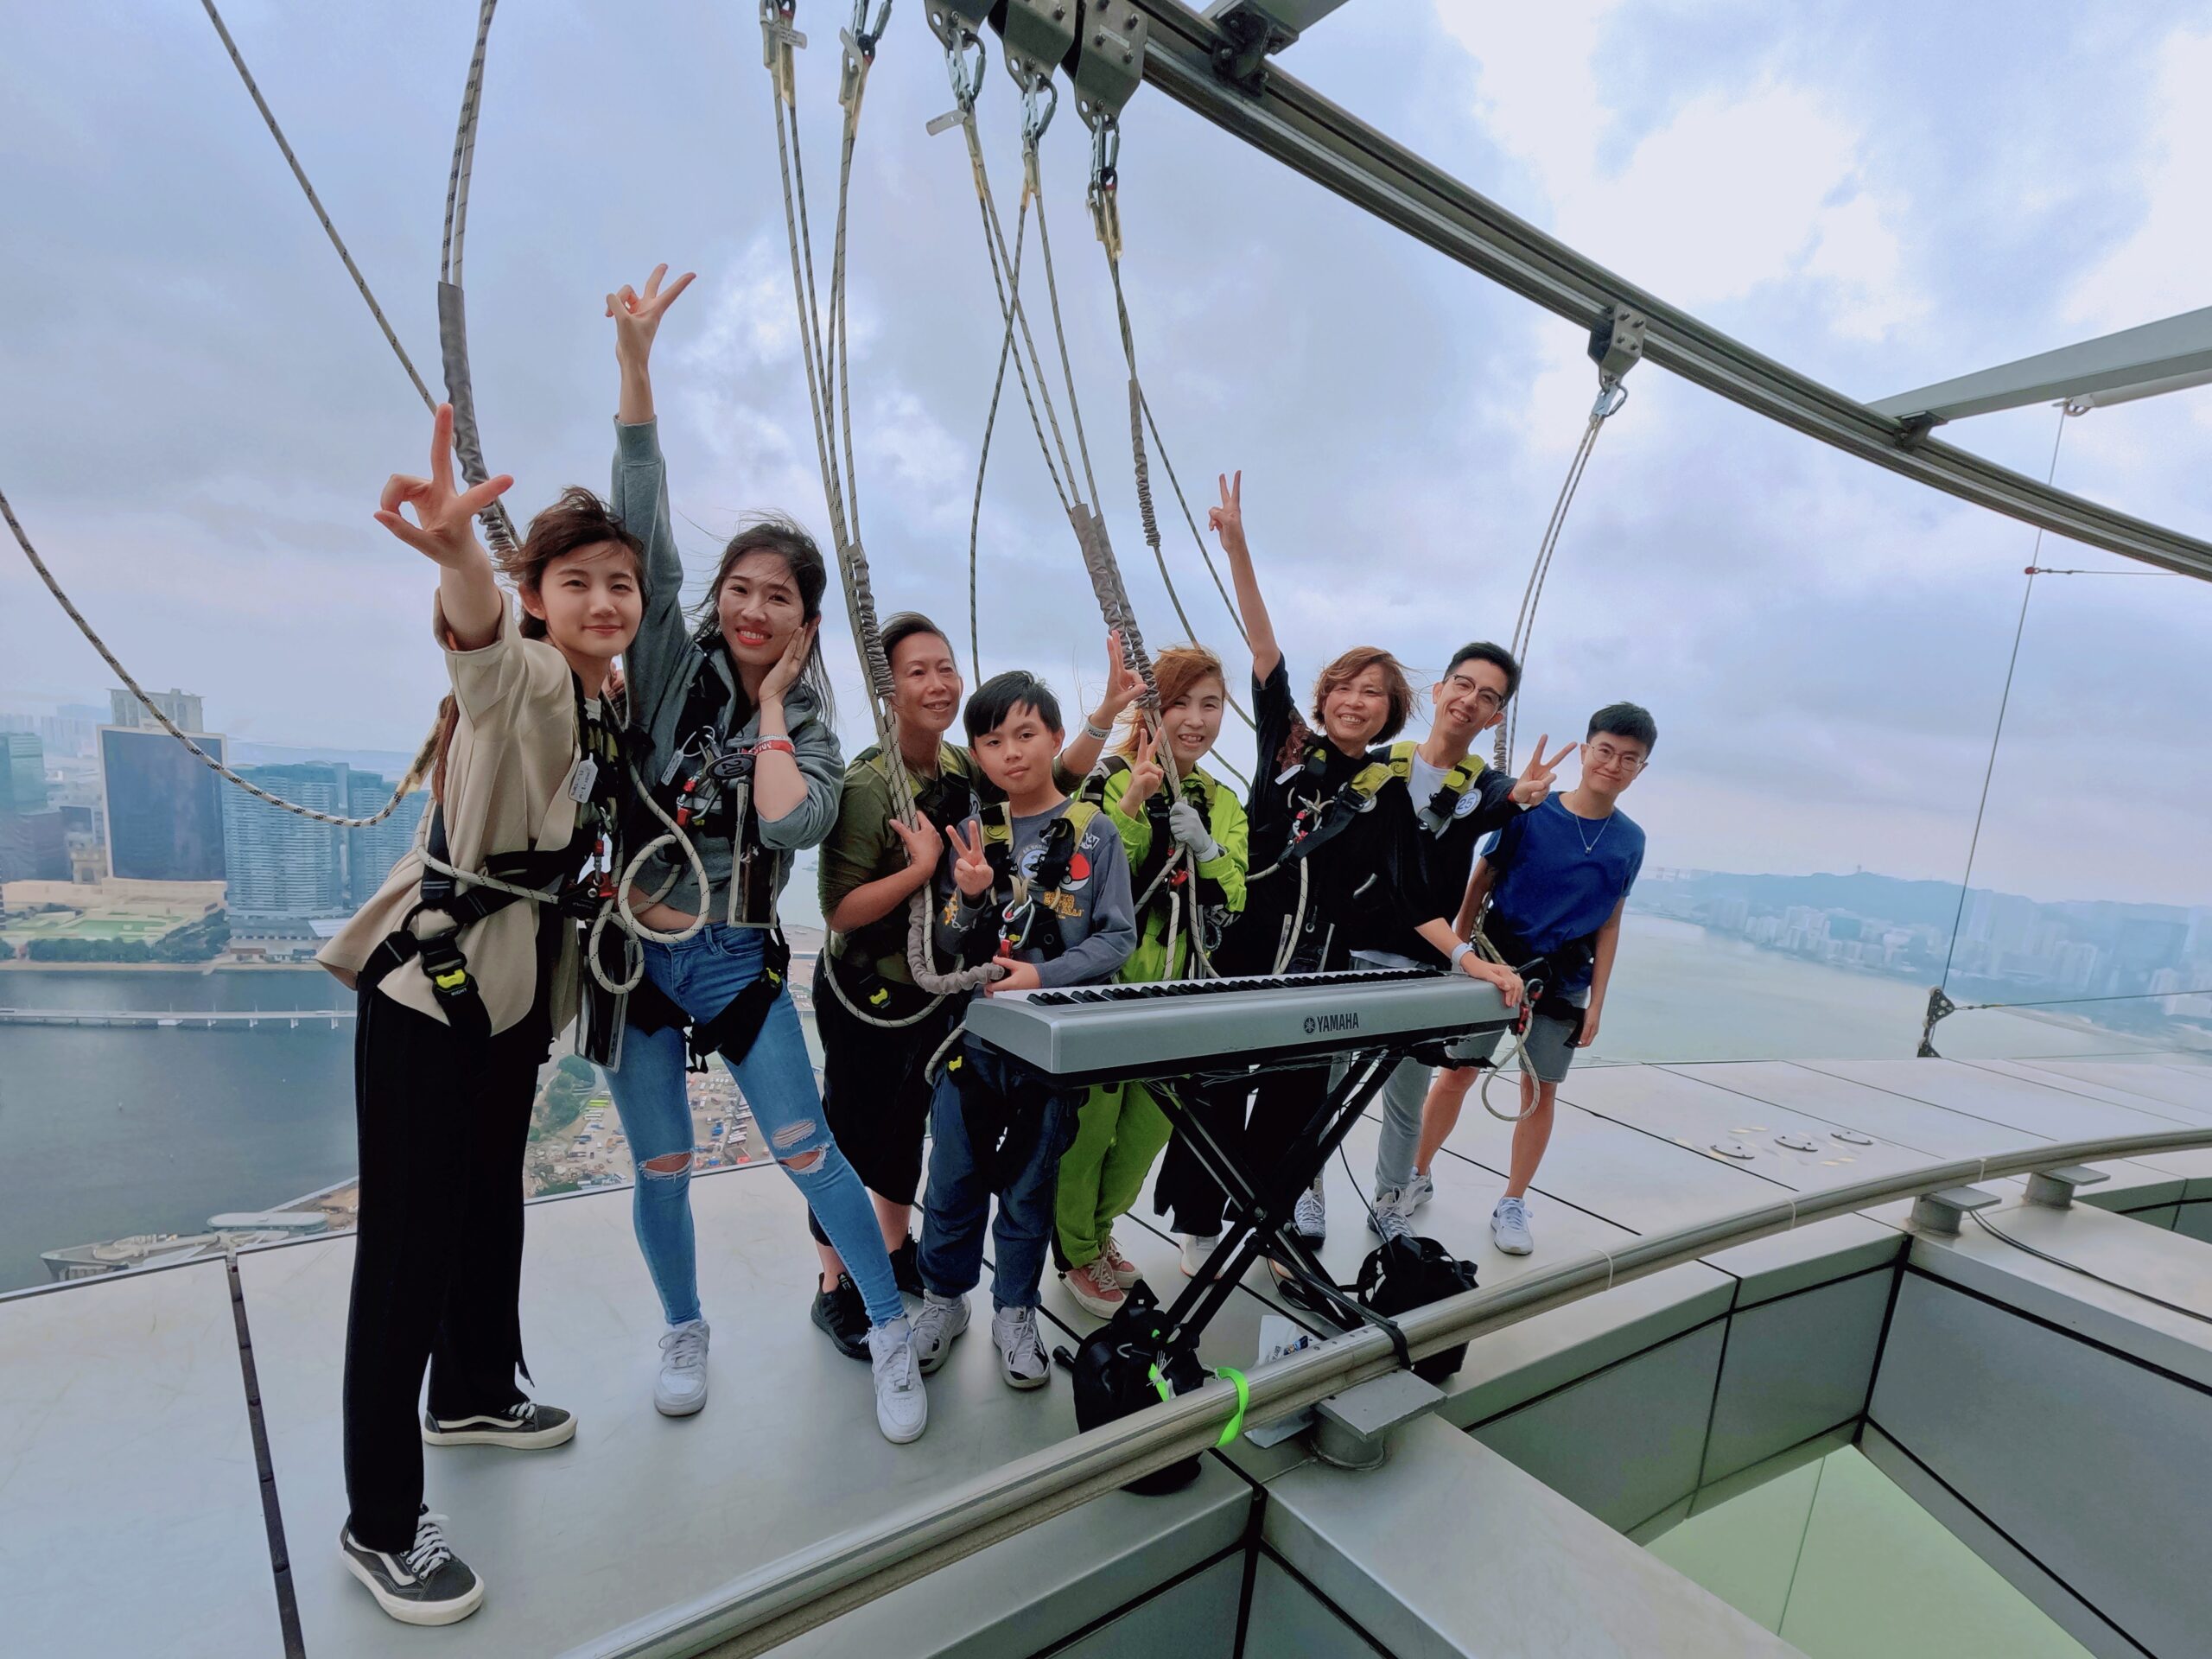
(1403,1274)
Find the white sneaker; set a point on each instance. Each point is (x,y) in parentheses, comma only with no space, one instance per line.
(902,1409)
(941,1318)
(1309,1218)
(681,1389)
(1022,1359)
(1093,1288)
(1198,1249)
(1417,1192)
(1508,1227)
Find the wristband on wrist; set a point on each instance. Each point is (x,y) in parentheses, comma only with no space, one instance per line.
(1465,948)
(772,746)
(1091,729)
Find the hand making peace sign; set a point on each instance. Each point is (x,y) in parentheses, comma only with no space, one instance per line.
(637,317)
(1537,777)
(1227,520)
(971,871)
(1145,774)
(441,531)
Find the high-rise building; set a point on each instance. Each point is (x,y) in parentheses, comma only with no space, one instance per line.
(371,853)
(33,846)
(278,863)
(283,866)
(164,811)
(23,772)
(182,707)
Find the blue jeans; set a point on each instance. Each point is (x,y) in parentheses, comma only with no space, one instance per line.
(984,1083)
(701,976)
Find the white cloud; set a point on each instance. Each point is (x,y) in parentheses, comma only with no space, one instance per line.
(2160,269)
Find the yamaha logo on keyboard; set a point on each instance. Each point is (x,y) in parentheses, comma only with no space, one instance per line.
(1317,1024)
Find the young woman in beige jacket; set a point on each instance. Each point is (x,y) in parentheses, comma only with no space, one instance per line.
(462,991)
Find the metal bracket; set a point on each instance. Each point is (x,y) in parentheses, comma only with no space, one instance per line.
(1038,35)
(1351,1429)
(1110,64)
(1617,343)
(1250,35)
(1912,429)
(1936,1214)
(2054,1188)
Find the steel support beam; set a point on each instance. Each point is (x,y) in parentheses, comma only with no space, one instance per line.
(2168,355)
(1297,126)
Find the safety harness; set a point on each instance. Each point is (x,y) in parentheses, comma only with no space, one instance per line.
(706,785)
(1183,886)
(1028,919)
(544,872)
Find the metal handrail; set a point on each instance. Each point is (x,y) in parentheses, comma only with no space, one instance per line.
(784,1599)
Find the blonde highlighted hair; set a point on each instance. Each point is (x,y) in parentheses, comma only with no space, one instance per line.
(1178,671)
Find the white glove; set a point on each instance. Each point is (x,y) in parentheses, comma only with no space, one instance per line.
(1189,827)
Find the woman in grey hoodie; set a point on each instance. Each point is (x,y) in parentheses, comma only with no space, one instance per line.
(735,709)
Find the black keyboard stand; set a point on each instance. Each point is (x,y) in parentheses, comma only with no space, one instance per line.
(1114,1366)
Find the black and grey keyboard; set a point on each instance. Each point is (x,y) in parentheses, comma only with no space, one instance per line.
(1181,1027)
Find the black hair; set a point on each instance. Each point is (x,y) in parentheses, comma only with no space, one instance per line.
(1628,720)
(1000,696)
(903,626)
(774,533)
(1481,650)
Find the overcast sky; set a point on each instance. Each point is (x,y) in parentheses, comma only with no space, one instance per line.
(199,410)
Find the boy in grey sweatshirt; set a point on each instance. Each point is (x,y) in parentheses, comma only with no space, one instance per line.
(1040,885)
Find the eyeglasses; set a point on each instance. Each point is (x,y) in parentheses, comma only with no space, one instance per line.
(1605,754)
(1485,699)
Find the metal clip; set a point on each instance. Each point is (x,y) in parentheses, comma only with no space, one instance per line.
(852,77)
(1617,344)
(1110,64)
(1038,35)
(1105,200)
(779,40)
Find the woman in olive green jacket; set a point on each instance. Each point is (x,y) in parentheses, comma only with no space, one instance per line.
(1121,1129)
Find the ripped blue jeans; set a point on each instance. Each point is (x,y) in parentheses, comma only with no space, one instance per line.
(701,976)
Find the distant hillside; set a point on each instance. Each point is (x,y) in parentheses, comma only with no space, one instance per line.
(1862,893)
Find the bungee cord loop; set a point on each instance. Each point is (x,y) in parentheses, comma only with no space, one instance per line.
(825,358)
(1616,346)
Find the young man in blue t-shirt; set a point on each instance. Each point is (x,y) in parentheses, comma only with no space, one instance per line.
(1556,879)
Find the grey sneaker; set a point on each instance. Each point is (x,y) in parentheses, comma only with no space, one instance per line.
(1022,1360)
(1198,1248)
(902,1409)
(528,1427)
(1309,1219)
(1387,1220)
(941,1318)
(424,1584)
(1508,1227)
(1416,1192)
(681,1387)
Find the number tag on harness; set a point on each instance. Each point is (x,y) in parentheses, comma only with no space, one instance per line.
(581,780)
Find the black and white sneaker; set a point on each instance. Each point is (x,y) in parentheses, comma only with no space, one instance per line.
(426,1584)
(528,1427)
(841,1316)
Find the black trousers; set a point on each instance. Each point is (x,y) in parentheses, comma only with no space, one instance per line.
(438,1256)
(1282,1105)
(875,1095)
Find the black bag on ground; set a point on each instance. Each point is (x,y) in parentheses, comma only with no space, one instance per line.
(1403,1274)
(1113,1369)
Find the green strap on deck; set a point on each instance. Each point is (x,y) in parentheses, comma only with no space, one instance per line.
(1228,1373)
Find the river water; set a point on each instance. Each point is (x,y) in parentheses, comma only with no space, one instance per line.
(105,1132)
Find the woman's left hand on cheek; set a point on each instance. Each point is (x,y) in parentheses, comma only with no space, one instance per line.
(791,664)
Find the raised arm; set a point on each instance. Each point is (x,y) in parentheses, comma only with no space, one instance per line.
(637,319)
(468,594)
(1123,687)
(1227,521)
(640,498)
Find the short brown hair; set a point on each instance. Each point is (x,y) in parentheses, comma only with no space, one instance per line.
(1347,668)
(579,519)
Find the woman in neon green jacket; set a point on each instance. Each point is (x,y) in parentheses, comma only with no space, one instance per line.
(1188,853)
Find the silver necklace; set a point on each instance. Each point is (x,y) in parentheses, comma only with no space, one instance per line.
(1590,845)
